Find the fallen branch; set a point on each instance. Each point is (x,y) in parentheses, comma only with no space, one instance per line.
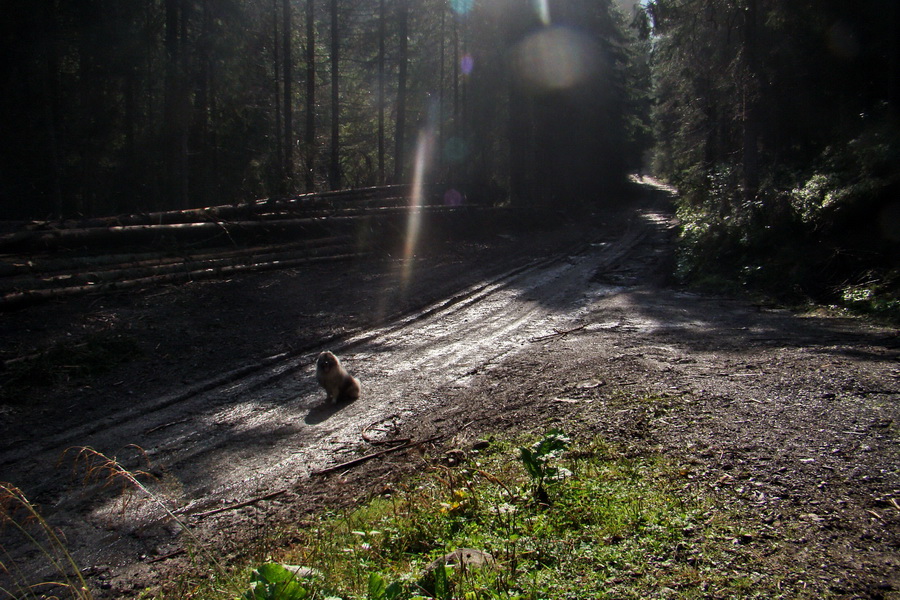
(557,333)
(367,457)
(167,556)
(876,515)
(305,223)
(164,425)
(268,496)
(381,442)
(127,272)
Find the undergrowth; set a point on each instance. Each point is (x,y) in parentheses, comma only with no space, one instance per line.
(546,518)
(826,231)
(583,521)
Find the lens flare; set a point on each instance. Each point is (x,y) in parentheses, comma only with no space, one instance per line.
(453,197)
(461,7)
(542,8)
(424,150)
(466,64)
(556,58)
(842,41)
(455,150)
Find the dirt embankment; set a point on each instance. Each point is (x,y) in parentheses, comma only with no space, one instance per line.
(791,419)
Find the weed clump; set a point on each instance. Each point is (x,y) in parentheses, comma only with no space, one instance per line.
(22,524)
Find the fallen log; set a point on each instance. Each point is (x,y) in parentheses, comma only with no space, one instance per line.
(226,212)
(197,232)
(100,276)
(27,274)
(372,230)
(21,299)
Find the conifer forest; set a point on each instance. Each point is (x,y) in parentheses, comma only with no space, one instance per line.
(775,120)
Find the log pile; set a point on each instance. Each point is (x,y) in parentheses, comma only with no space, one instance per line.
(56,259)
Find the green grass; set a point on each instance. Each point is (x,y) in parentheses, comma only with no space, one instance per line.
(613,526)
(562,519)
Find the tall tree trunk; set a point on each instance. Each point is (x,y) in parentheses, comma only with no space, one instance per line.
(310,135)
(200,133)
(90,76)
(402,32)
(128,86)
(464,92)
(334,167)
(177,105)
(521,138)
(288,112)
(276,71)
(455,129)
(149,89)
(456,58)
(381,35)
(751,101)
(440,136)
(170,109)
(52,108)
(184,103)
(212,135)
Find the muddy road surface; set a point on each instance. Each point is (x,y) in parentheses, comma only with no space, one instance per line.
(793,417)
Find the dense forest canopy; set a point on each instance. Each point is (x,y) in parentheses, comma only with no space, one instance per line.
(775,119)
(113,106)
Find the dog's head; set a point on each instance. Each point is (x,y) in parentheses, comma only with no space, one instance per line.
(326,362)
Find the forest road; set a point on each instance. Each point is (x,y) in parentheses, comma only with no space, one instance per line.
(230,440)
(789,419)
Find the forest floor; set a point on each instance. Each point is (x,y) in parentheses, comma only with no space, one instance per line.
(790,419)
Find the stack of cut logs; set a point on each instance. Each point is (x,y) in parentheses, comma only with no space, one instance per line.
(55,259)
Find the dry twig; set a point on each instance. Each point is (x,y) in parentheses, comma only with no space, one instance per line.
(214,511)
(367,457)
(557,333)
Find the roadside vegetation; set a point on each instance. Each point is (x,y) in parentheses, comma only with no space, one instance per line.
(516,519)
(777,123)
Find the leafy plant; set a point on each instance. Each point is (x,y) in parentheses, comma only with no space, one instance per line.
(378,588)
(442,588)
(537,461)
(273,581)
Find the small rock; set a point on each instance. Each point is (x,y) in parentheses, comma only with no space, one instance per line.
(454,457)
(468,557)
(303,572)
(461,557)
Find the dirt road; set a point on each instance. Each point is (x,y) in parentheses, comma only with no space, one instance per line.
(793,416)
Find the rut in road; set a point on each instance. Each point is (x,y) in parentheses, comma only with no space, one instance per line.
(263,431)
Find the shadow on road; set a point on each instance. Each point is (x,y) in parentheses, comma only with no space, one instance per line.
(320,414)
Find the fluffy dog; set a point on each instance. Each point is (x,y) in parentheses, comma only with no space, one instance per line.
(339,385)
